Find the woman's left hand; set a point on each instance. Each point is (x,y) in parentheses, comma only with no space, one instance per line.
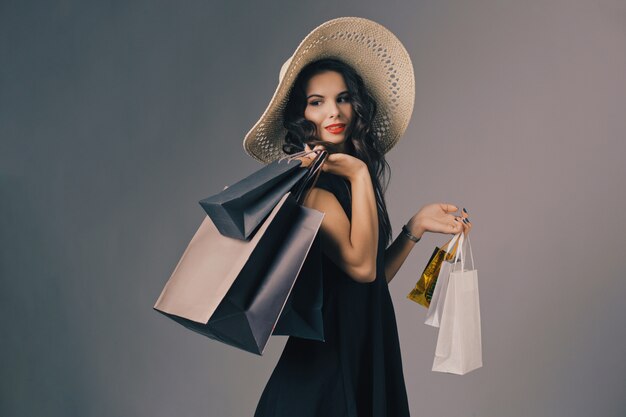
(439,218)
(341,164)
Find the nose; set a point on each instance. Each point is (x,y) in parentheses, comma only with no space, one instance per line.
(333,110)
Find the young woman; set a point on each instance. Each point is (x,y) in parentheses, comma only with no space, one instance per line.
(357,370)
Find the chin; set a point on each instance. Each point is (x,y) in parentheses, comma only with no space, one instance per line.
(336,140)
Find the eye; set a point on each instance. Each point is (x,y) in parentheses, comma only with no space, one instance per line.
(345,98)
(312,103)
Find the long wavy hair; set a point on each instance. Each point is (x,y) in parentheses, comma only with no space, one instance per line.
(360,140)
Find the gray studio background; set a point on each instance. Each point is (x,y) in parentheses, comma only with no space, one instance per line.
(116,117)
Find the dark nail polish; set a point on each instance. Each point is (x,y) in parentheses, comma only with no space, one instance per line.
(464,221)
(465,210)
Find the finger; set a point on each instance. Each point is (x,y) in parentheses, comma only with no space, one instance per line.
(305,161)
(466,220)
(456,219)
(455,226)
(310,155)
(465,227)
(448,208)
(464,216)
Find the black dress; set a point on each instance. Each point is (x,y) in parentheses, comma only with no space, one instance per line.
(357,370)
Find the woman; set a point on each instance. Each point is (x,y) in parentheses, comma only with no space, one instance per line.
(326,104)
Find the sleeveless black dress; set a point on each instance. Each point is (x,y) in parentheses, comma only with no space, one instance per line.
(357,370)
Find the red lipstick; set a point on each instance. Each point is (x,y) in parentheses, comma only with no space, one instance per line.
(336,128)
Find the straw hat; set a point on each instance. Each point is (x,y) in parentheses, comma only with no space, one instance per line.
(373,51)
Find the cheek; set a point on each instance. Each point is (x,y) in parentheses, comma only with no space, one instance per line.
(307,113)
(312,116)
(348,111)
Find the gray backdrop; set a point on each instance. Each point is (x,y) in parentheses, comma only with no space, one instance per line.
(116,117)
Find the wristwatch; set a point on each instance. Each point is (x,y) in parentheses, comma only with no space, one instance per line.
(408,234)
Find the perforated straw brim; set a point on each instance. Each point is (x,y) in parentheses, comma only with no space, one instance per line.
(374,52)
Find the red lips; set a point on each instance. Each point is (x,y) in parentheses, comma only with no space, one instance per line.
(336,128)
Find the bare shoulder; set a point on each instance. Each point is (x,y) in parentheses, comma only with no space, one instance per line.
(335,219)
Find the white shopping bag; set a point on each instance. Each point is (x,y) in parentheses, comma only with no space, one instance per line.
(459,346)
(435,308)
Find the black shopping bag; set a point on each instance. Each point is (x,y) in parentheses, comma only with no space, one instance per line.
(239,209)
(302,314)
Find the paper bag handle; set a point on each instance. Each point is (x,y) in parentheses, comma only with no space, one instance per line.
(310,179)
(451,243)
(461,254)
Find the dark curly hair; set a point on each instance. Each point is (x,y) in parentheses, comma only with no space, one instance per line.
(360,141)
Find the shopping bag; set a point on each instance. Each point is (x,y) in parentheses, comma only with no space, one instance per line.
(440,284)
(423,290)
(239,209)
(302,314)
(234,290)
(459,344)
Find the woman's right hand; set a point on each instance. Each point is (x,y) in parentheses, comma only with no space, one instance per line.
(341,164)
(439,218)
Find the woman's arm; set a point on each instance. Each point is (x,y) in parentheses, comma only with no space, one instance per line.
(352,246)
(396,254)
(434,218)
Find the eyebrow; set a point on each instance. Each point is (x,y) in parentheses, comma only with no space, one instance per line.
(319,95)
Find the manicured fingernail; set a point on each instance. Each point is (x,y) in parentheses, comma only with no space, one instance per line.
(468,220)
(465,210)
(464,221)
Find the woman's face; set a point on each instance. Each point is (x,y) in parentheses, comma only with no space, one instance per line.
(329,104)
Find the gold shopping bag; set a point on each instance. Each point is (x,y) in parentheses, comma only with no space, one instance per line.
(423,291)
